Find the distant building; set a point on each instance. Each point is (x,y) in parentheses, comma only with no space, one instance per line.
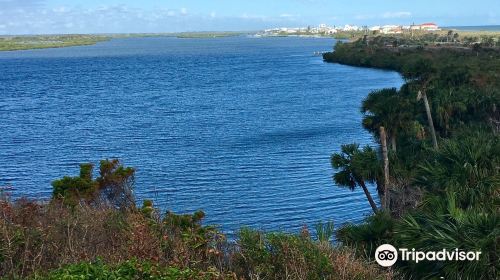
(348,27)
(391,29)
(429,26)
(323,28)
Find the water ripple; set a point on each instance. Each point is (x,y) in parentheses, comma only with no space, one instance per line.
(240,127)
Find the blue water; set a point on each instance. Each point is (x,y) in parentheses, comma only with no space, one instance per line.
(240,127)
(476,28)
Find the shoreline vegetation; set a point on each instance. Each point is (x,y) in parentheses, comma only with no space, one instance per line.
(92,229)
(15,43)
(28,42)
(436,171)
(437,164)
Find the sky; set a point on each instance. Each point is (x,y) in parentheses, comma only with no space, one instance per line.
(128,16)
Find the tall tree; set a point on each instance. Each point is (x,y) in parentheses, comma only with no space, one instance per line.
(385,157)
(451,97)
(422,95)
(355,168)
(389,109)
(422,73)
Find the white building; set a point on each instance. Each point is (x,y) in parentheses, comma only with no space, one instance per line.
(348,27)
(429,26)
(391,29)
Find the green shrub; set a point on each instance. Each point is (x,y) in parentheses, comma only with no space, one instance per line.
(366,237)
(73,189)
(127,270)
(113,187)
(441,224)
(281,256)
(325,231)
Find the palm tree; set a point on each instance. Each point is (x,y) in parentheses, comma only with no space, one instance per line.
(422,95)
(356,167)
(450,103)
(422,72)
(389,109)
(455,98)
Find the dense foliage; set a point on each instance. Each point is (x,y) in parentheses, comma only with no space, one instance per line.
(91,229)
(442,126)
(127,270)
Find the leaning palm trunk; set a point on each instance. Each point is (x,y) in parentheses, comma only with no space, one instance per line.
(429,117)
(369,197)
(383,142)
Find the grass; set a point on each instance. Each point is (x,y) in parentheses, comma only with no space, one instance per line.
(12,43)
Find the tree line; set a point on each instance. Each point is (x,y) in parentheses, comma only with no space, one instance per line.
(437,166)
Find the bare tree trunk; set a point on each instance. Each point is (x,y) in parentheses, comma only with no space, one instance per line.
(383,142)
(429,118)
(369,197)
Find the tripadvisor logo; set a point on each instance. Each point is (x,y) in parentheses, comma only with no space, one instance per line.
(386,255)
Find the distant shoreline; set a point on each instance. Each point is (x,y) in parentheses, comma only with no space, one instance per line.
(17,43)
(475,28)
(31,42)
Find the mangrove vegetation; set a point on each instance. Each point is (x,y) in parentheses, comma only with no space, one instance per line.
(442,189)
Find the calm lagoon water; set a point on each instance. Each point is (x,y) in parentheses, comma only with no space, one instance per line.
(240,127)
(476,28)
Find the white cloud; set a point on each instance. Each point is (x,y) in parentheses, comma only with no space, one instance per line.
(123,19)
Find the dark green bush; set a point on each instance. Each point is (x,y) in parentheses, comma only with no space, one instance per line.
(281,256)
(366,237)
(128,270)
